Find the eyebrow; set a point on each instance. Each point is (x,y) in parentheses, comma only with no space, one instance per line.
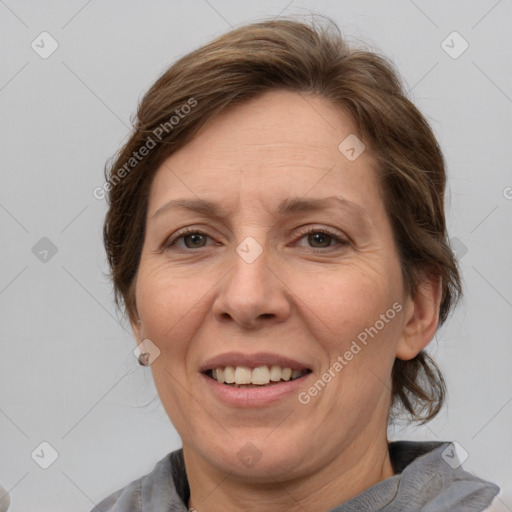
(287,207)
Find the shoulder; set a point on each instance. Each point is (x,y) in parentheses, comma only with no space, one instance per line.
(127,499)
(152,492)
(432,473)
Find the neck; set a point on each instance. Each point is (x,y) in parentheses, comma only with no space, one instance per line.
(336,482)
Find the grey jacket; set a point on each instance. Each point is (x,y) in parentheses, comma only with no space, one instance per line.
(428,479)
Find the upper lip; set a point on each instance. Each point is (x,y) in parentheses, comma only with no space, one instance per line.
(252,361)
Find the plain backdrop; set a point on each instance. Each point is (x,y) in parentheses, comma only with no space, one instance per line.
(69,378)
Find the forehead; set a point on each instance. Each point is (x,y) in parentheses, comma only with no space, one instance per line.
(277,120)
(278,144)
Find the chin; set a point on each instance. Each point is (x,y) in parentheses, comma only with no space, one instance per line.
(257,460)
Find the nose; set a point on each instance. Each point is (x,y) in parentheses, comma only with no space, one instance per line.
(253,294)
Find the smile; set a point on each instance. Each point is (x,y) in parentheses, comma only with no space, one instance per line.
(244,376)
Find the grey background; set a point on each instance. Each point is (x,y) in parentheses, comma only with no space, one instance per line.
(68,374)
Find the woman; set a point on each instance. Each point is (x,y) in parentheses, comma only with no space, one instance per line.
(276,233)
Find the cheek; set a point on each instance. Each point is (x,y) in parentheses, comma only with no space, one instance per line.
(168,305)
(359,321)
(348,301)
(355,316)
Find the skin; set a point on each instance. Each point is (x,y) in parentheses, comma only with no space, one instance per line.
(305,297)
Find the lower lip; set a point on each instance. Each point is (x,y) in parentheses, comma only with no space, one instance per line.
(255,397)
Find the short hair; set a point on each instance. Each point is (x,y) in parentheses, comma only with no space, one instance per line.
(306,58)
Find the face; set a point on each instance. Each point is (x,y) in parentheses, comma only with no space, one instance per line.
(296,261)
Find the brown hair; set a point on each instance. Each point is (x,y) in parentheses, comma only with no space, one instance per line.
(304,58)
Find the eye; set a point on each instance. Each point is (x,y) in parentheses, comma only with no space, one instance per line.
(195,237)
(323,236)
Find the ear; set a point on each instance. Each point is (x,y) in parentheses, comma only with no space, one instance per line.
(422,318)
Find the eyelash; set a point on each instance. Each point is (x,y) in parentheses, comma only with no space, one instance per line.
(191,231)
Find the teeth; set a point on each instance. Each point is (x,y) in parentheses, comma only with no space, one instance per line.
(218,374)
(242,375)
(286,374)
(295,374)
(260,376)
(229,375)
(275,373)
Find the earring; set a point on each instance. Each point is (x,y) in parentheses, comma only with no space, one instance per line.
(144,358)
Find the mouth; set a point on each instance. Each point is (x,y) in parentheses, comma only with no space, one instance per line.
(257,377)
